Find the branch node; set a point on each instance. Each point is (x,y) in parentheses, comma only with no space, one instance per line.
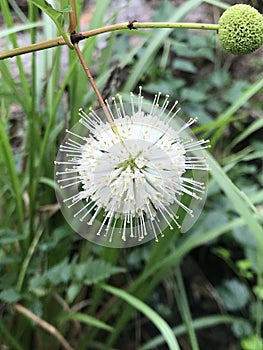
(131,26)
(76,37)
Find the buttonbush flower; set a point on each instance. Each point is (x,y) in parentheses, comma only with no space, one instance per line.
(123,183)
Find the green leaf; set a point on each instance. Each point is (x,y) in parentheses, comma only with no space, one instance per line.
(193,95)
(159,322)
(252,343)
(73,291)
(245,266)
(220,78)
(10,295)
(60,273)
(234,93)
(258,290)
(90,272)
(244,237)
(234,294)
(184,50)
(87,319)
(223,253)
(7,236)
(8,260)
(242,328)
(52,241)
(185,66)
(57,16)
(93,271)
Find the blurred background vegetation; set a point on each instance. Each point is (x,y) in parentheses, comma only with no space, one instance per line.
(198,290)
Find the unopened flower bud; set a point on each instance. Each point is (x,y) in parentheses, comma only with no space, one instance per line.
(241,29)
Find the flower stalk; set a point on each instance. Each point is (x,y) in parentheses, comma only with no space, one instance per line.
(96,90)
(92,83)
(76,37)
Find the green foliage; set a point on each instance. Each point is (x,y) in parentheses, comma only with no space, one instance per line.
(86,273)
(57,16)
(233,294)
(161,324)
(10,295)
(251,343)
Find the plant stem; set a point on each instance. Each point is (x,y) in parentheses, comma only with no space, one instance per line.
(45,325)
(259,300)
(27,259)
(96,90)
(92,83)
(114,27)
(182,302)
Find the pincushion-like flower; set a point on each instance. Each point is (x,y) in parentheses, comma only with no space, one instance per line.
(122,183)
(241,29)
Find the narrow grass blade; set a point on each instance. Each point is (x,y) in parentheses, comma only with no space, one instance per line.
(200,323)
(27,260)
(19,28)
(183,306)
(20,14)
(13,87)
(218,3)
(87,319)
(152,315)
(156,270)
(257,125)
(229,112)
(6,152)
(13,38)
(240,201)
(6,338)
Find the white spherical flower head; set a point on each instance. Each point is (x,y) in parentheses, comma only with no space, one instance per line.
(125,182)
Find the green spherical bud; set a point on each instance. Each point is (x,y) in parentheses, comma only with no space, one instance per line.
(241,29)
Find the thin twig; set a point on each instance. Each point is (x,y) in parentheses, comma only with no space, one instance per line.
(93,84)
(98,94)
(114,27)
(45,325)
